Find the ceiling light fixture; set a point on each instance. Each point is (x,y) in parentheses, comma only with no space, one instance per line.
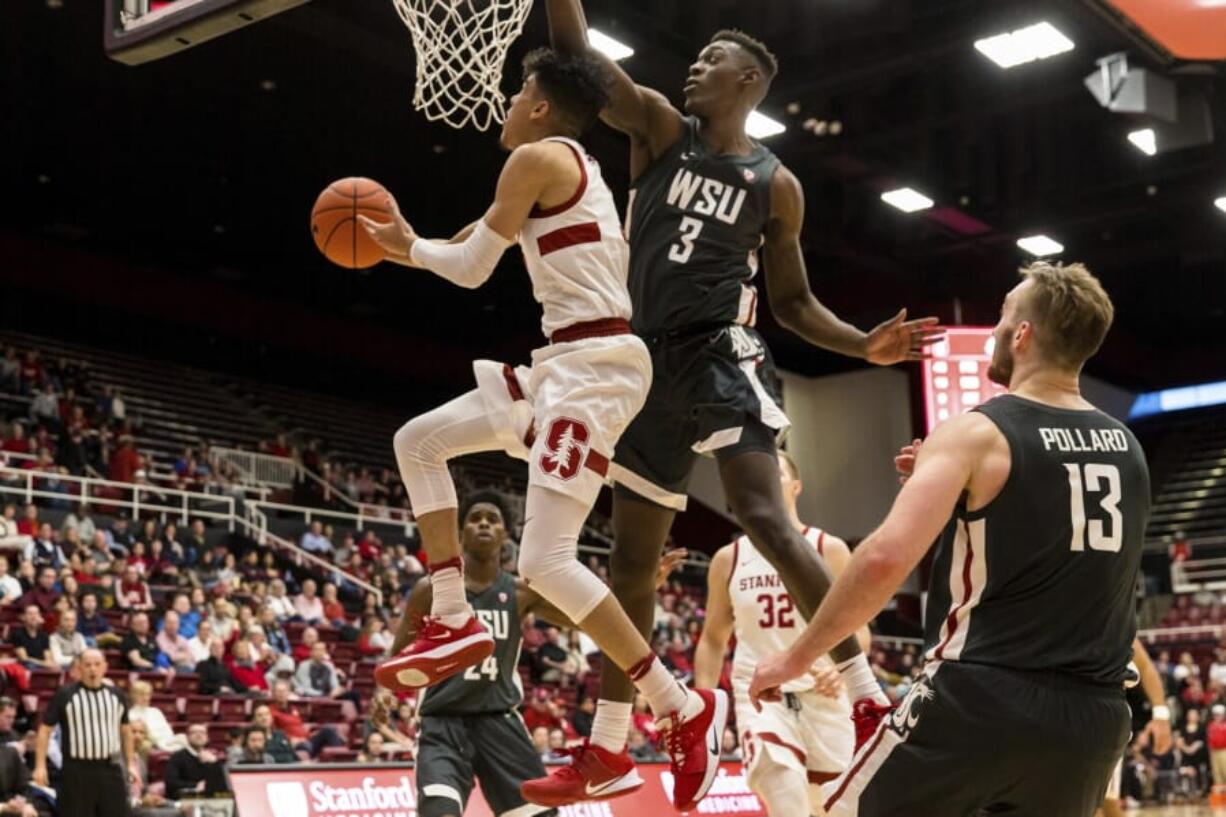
(608,46)
(907,200)
(1040,246)
(761,126)
(1221,204)
(1145,140)
(1036,42)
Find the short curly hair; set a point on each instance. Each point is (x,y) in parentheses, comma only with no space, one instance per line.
(487,497)
(576,86)
(767,61)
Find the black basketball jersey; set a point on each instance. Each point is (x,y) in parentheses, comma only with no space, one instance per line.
(494,684)
(695,222)
(1043,577)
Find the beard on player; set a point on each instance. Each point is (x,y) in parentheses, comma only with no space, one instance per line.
(1000,369)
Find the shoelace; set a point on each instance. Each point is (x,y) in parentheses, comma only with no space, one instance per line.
(672,740)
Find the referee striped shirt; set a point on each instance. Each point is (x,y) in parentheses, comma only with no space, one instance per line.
(89,721)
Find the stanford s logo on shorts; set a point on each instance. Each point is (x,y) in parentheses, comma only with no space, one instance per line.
(565,448)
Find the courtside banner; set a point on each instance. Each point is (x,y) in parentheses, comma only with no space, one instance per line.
(388,790)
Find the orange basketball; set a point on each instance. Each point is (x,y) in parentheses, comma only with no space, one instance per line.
(334,222)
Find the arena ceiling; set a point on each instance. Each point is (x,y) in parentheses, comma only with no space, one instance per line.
(177,192)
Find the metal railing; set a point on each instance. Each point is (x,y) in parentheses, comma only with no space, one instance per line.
(261,469)
(358,521)
(1191,575)
(255,523)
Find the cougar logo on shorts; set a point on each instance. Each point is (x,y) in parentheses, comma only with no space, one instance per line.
(565,448)
(904,717)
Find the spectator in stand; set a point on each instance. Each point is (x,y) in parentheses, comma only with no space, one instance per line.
(557,746)
(160,731)
(121,539)
(195,770)
(372,750)
(195,543)
(11,537)
(100,553)
(274,632)
(28,525)
(73,454)
(244,668)
(334,611)
(10,588)
(45,407)
(91,624)
(200,640)
(374,639)
(138,557)
(1193,752)
(15,796)
(278,745)
(1194,694)
(222,619)
(82,521)
(16,442)
(124,462)
(380,721)
(119,410)
(281,604)
(31,643)
(159,567)
(370,547)
(542,711)
(289,720)
(66,644)
(8,717)
(254,750)
(43,594)
(189,619)
(214,672)
(173,649)
(307,605)
(1180,550)
(45,550)
(581,719)
(640,748)
(139,647)
(10,371)
(133,591)
(540,741)
(70,545)
(1215,736)
(318,677)
(314,541)
(306,643)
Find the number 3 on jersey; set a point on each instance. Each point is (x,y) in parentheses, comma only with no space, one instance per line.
(681,252)
(488,667)
(1099,537)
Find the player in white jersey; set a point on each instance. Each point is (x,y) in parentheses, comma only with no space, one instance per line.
(792,746)
(563,414)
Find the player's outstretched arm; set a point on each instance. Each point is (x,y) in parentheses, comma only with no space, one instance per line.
(469,260)
(416,606)
(642,113)
(888,555)
(717,628)
(797,309)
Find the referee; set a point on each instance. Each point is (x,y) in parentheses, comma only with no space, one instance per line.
(93,721)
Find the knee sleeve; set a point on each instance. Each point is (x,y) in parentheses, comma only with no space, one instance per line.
(548,553)
(784,790)
(425,444)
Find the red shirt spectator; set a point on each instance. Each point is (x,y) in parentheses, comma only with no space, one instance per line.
(133,593)
(1216,732)
(16,442)
(125,462)
(28,525)
(245,669)
(289,720)
(541,712)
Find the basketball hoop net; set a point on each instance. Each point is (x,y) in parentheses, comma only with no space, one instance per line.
(461,48)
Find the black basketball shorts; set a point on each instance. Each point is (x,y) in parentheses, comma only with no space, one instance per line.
(971,740)
(492,748)
(713,391)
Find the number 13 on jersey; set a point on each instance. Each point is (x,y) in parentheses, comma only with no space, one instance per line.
(1090,478)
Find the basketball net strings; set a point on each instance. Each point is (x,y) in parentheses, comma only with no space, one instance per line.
(461,49)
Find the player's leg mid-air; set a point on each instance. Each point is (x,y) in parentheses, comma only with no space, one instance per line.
(692,260)
(583,389)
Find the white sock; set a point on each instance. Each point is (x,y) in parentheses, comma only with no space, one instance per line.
(860,682)
(611,725)
(661,689)
(449,604)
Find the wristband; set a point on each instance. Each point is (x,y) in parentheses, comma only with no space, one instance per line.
(1161,712)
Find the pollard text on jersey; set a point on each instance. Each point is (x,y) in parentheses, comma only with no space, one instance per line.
(1074,439)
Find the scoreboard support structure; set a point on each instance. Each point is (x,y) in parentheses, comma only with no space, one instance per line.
(133,34)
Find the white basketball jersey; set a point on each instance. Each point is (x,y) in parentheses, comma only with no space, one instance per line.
(576,254)
(764,619)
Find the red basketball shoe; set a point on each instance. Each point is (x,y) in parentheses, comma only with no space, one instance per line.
(593,774)
(692,738)
(867,715)
(439,652)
